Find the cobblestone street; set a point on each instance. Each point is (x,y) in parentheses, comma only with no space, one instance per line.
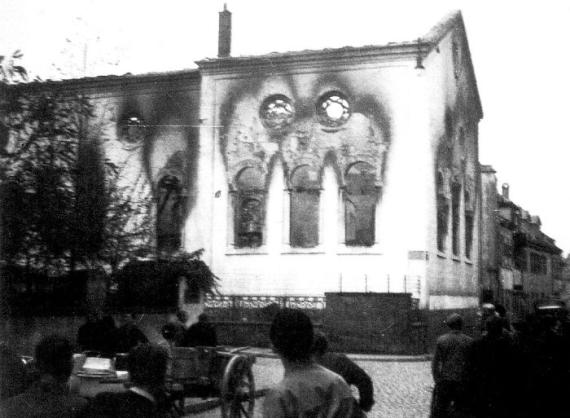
(402,388)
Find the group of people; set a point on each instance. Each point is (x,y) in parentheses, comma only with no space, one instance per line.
(315,383)
(201,333)
(101,334)
(512,370)
(50,394)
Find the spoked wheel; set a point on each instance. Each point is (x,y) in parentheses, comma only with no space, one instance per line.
(238,389)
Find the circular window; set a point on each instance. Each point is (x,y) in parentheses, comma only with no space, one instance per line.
(132,131)
(333,109)
(277,112)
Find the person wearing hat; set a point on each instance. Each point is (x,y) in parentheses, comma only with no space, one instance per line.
(449,367)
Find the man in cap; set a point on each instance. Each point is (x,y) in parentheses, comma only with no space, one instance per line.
(307,389)
(449,366)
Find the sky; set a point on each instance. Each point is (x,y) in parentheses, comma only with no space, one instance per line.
(520,52)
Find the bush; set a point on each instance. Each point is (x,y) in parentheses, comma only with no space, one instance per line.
(153,284)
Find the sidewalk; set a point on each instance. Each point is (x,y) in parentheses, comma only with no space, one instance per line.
(268,353)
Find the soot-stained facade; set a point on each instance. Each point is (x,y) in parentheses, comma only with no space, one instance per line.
(300,173)
(352,169)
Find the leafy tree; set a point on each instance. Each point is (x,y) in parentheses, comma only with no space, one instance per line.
(46,130)
(10,72)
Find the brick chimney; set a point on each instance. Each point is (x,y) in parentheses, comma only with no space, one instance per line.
(225,33)
(506,190)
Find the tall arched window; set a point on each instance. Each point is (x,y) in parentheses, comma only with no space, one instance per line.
(249,208)
(469,223)
(442,212)
(455,216)
(169,214)
(304,209)
(360,197)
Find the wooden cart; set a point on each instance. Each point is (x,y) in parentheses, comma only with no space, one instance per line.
(214,372)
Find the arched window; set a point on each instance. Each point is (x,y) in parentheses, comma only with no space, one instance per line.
(249,208)
(304,209)
(442,212)
(455,217)
(469,222)
(169,214)
(360,197)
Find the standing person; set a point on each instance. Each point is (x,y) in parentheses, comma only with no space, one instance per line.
(202,333)
(146,397)
(348,370)
(307,388)
(493,372)
(128,335)
(449,369)
(88,334)
(49,397)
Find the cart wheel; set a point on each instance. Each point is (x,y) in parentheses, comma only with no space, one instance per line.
(238,389)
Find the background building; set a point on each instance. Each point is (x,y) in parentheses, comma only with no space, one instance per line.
(521,265)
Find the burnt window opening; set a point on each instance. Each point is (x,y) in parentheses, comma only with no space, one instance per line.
(304,207)
(442,213)
(360,197)
(169,210)
(249,209)
(132,131)
(456,56)
(455,217)
(277,112)
(333,109)
(469,223)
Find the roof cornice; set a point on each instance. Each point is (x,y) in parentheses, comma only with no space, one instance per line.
(315,58)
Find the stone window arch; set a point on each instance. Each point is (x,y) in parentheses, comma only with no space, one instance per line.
(169,210)
(360,198)
(249,204)
(304,207)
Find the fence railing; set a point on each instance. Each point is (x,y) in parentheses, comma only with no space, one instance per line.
(260,301)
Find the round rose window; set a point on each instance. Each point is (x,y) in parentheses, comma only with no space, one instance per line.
(333,109)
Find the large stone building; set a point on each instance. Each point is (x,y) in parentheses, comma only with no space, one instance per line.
(520,264)
(299,173)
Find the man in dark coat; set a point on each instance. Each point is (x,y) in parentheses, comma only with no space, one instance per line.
(202,333)
(493,373)
(352,373)
(49,397)
(128,335)
(449,369)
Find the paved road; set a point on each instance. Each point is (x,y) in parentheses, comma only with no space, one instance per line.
(402,389)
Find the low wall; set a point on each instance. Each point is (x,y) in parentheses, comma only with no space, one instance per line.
(369,322)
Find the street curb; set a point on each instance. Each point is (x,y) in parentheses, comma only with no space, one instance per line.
(359,357)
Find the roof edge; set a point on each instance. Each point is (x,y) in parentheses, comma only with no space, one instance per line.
(449,22)
(108,80)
